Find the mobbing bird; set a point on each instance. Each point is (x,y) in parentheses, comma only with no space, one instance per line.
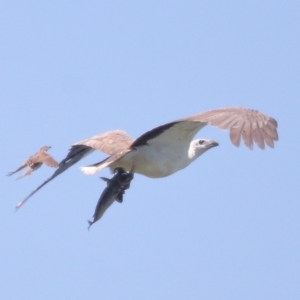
(35,161)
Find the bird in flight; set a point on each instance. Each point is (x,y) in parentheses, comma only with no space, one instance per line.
(35,161)
(169,148)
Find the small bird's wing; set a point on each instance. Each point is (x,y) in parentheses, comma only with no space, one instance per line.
(48,160)
(249,124)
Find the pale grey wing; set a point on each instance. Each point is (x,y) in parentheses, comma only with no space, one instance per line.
(48,160)
(249,124)
(108,142)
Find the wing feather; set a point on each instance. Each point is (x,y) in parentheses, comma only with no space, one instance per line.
(236,133)
(48,160)
(251,125)
(269,141)
(108,142)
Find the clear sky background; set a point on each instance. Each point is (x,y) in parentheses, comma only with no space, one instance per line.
(226,227)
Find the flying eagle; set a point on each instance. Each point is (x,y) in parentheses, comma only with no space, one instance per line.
(169,148)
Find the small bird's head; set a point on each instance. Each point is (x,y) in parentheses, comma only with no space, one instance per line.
(45,148)
(198,147)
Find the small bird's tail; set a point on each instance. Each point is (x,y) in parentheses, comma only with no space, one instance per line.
(11,173)
(19,169)
(27,172)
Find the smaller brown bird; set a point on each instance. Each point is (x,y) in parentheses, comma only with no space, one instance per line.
(35,161)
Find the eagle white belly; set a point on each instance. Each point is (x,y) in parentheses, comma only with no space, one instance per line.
(153,161)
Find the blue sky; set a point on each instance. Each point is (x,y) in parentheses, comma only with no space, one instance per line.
(226,227)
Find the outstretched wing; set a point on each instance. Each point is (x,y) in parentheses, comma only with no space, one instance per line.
(249,124)
(48,160)
(108,142)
